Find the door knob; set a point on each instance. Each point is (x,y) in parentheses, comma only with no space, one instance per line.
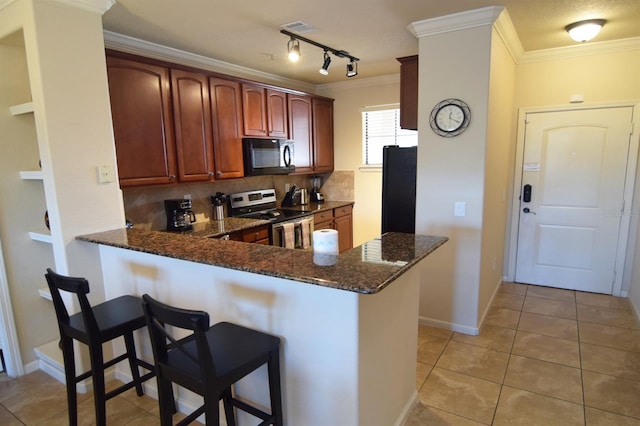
(526,210)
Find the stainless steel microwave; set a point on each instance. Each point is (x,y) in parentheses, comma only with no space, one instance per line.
(267,156)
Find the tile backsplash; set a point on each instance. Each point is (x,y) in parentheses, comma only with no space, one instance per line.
(144,206)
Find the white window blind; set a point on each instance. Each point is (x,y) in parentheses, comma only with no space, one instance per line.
(381,127)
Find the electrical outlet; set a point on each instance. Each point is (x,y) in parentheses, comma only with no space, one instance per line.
(105,173)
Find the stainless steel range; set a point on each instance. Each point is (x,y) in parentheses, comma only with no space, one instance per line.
(289,228)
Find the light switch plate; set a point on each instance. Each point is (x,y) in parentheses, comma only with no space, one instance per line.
(105,173)
(460,208)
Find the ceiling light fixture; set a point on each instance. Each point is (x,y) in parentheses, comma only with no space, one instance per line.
(293,46)
(352,67)
(325,65)
(585,30)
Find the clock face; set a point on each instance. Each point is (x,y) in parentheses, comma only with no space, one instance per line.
(450,117)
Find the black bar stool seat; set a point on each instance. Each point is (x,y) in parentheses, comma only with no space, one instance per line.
(93,326)
(209,361)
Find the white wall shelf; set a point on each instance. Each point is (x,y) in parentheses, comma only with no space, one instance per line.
(45,293)
(31,175)
(42,236)
(22,108)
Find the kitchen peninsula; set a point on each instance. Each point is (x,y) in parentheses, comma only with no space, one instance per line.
(349,331)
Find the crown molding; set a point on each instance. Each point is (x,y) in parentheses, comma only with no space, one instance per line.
(455,21)
(582,49)
(362,82)
(507,32)
(96,6)
(136,46)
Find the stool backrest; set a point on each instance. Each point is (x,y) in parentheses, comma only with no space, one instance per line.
(78,286)
(160,315)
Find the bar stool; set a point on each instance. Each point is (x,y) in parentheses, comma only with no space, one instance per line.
(208,362)
(94,326)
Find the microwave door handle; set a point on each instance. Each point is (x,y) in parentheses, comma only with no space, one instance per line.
(286,154)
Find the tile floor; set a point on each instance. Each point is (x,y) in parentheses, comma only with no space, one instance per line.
(544,357)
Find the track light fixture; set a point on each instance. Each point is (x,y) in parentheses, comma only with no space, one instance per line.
(325,65)
(294,46)
(352,69)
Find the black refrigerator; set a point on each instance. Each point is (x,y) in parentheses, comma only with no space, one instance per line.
(399,167)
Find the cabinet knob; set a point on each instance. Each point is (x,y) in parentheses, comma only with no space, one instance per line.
(172,177)
(218,173)
(210,174)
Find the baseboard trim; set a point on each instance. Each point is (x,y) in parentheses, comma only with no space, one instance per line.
(490,304)
(465,329)
(406,412)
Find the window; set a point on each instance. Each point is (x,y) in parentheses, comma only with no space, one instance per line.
(380,127)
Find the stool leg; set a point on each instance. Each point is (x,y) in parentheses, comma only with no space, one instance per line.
(167,403)
(66,344)
(133,362)
(97,374)
(211,410)
(228,407)
(274,387)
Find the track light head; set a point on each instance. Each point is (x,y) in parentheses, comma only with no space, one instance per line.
(325,65)
(293,46)
(352,69)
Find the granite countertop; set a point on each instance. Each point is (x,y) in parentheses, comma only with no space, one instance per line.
(366,269)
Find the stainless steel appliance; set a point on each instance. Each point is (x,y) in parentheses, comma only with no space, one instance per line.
(292,226)
(218,201)
(179,215)
(268,156)
(316,196)
(399,166)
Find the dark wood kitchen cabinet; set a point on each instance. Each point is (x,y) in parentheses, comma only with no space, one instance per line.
(322,135)
(340,219)
(301,131)
(142,122)
(192,120)
(311,127)
(226,110)
(255,235)
(264,112)
(409,92)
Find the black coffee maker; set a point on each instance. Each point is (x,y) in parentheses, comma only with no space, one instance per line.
(179,215)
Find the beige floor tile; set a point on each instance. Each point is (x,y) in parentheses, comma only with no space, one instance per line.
(613,337)
(474,361)
(39,403)
(430,348)
(614,362)
(8,419)
(145,419)
(459,394)
(607,316)
(557,381)
(498,338)
(613,394)
(516,288)
(602,300)
(502,317)
(422,372)
(551,307)
(546,348)
(595,417)
(427,330)
(549,326)
(519,407)
(508,300)
(551,293)
(10,387)
(145,402)
(422,415)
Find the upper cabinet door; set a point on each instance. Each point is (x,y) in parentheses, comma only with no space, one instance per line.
(254,110)
(226,110)
(409,92)
(322,135)
(300,132)
(192,118)
(277,114)
(142,122)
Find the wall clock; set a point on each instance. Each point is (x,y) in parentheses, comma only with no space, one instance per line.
(450,117)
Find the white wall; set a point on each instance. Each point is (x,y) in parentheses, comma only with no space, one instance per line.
(350,97)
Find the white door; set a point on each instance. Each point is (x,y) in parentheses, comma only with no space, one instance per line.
(575,163)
